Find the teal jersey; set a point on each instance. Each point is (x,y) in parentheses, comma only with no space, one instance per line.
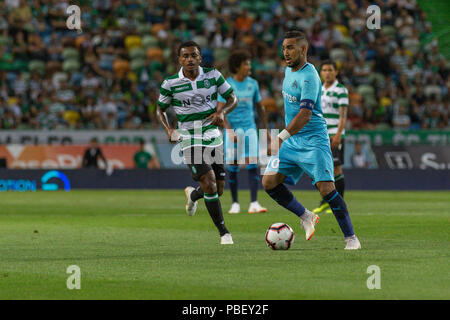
(302,89)
(247,94)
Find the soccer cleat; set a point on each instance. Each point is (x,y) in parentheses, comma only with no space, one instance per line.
(322,208)
(329,211)
(191,206)
(309,223)
(235,208)
(226,239)
(352,243)
(255,207)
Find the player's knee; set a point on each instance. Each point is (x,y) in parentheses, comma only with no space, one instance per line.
(208,183)
(268,182)
(325,187)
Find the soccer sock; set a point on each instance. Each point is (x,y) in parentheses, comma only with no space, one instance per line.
(339,208)
(339,182)
(197,194)
(214,208)
(233,182)
(253,181)
(284,197)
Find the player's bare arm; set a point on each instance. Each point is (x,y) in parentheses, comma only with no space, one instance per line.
(223,109)
(297,124)
(337,138)
(262,114)
(172,134)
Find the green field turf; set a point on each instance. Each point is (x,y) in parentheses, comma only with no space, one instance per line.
(142,245)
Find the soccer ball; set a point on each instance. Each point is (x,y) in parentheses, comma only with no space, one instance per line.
(279,236)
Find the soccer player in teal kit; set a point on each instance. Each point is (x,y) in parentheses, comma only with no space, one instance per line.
(304,146)
(241,136)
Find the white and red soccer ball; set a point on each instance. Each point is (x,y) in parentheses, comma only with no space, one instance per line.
(279,236)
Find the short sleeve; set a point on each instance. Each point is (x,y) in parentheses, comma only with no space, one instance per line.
(310,88)
(257,94)
(223,87)
(165,95)
(343,97)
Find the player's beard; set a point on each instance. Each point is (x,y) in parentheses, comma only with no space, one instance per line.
(295,64)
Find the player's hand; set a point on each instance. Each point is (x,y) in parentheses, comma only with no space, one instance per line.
(217,119)
(336,142)
(174,136)
(274,147)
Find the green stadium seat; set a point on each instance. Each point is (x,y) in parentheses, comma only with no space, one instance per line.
(433,89)
(389,31)
(338,54)
(348,41)
(26,75)
(138,15)
(221,54)
(201,16)
(137,64)
(366,90)
(137,52)
(411,44)
(144,29)
(370,101)
(37,66)
(60,76)
(71,65)
(167,53)
(150,41)
(201,40)
(3,40)
(70,53)
(377,79)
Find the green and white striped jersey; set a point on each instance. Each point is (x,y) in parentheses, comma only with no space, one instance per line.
(193,102)
(333,98)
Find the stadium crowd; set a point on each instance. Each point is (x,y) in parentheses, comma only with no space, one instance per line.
(108,76)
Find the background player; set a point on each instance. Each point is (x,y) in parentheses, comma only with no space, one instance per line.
(193,94)
(334,103)
(241,143)
(305,146)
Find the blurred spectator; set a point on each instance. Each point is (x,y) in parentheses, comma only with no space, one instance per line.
(143,159)
(92,155)
(127,48)
(359,158)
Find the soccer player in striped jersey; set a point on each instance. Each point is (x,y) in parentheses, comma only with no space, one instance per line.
(241,137)
(334,102)
(193,92)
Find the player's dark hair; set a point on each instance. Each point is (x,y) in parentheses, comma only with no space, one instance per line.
(328,62)
(297,34)
(189,44)
(236,58)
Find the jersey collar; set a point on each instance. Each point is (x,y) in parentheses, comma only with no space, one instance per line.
(335,83)
(181,74)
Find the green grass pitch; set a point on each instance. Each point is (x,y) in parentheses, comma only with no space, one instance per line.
(142,245)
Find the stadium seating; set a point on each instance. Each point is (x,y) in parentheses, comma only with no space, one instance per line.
(37,66)
(149,41)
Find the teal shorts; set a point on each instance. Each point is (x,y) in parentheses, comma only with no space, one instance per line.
(298,155)
(246,147)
